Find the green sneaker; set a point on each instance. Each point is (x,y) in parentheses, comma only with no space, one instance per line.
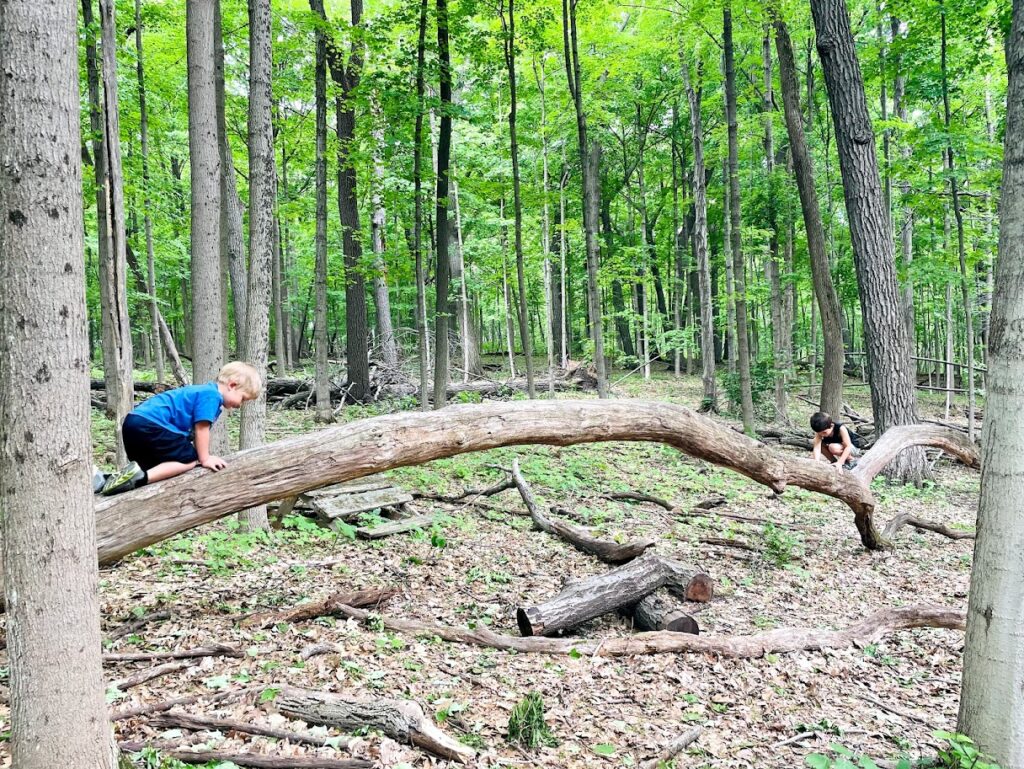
(126,480)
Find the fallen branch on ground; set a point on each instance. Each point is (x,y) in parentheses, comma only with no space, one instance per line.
(402,720)
(213,650)
(245,759)
(328,606)
(673,749)
(157,671)
(605,550)
(130,627)
(909,519)
(159,707)
(202,723)
(780,641)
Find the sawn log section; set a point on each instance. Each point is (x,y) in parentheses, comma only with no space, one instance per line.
(333,455)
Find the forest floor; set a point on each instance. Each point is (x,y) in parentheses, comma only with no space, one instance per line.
(883,699)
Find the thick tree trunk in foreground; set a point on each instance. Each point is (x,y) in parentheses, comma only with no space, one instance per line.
(831,399)
(888,350)
(992,698)
(262,191)
(58,716)
(603,593)
(204,160)
(130,521)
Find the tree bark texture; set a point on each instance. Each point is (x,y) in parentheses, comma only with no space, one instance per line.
(381,297)
(323,384)
(442,272)
(58,715)
(204,161)
(262,194)
(663,611)
(735,224)
(417,176)
(831,398)
(888,351)
(992,697)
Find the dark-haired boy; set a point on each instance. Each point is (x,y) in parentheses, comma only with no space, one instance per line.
(833,441)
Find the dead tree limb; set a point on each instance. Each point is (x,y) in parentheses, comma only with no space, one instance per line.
(130,627)
(779,641)
(502,485)
(245,759)
(402,720)
(673,749)
(603,593)
(277,470)
(605,550)
(213,650)
(909,519)
(663,611)
(160,707)
(142,676)
(203,723)
(314,609)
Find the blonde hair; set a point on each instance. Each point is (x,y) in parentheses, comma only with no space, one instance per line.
(245,377)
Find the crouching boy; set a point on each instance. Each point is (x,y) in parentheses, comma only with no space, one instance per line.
(833,441)
(169,434)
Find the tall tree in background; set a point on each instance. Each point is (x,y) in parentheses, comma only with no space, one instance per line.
(735,224)
(232,235)
(381,298)
(888,350)
(323,382)
(204,161)
(104,123)
(58,713)
(992,696)
(443,270)
(347,74)
(831,399)
(417,177)
(709,401)
(509,29)
(262,191)
(590,155)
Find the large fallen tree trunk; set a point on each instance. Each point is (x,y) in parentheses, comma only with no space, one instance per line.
(286,468)
(603,593)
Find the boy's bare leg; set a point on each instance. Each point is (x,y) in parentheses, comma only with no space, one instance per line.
(165,470)
(834,451)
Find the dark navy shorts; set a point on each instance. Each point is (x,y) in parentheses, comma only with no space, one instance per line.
(149,444)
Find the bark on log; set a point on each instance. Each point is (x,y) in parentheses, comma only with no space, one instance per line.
(909,519)
(780,641)
(205,723)
(246,759)
(661,611)
(605,550)
(314,609)
(607,592)
(164,705)
(153,513)
(402,720)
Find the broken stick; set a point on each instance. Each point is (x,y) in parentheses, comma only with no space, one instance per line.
(326,607)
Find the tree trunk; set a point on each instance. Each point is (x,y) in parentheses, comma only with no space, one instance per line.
(709,401)
(323,384)
(831,400)
(262,193)
(58,716)
(232,235)
(468,329)
(735,224)
(517,203)
(590,159)
(907,212)
(992,701)
(154,310)
(888,350)
(417,175)
(204,161)
(442,273)
(381,297)
(549,283)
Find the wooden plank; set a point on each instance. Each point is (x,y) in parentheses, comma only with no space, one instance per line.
(346,506)
(353,487)
(398,527)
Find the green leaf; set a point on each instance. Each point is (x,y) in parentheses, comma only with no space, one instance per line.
(268,694)
(575,654)
(603,749)
(817,761)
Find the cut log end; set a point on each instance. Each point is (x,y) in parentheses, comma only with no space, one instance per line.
(526,622)
(700,588)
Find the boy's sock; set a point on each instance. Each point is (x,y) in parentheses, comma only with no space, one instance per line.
(144,481)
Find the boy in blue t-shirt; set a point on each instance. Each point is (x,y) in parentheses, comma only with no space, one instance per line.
(169,434)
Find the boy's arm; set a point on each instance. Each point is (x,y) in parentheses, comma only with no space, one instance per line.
(206,459)
(816,449)
(847,446)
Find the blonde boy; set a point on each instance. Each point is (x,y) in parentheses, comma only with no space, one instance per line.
(169,434)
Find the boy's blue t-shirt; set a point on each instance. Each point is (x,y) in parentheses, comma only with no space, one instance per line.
(178,410)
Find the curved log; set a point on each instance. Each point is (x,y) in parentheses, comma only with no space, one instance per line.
(909,519)
(290,467)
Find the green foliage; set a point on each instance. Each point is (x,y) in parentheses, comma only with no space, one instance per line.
(526,726)
(780,545)
(959,753)
(762,384)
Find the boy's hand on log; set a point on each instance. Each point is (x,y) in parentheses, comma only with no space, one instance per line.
(214,463)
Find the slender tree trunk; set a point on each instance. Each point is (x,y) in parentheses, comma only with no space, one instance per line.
(739,267)
(417,175)
(549,300)
(204,161)
(831,399)
(154,310)
(954,188)
(381,297)
(232,234)
(517,203)
(590,155)
(58,715)
(563,279)
(506,292)
(730,278)
(907,212)
(468,328)
(262,192)
(677,249)
(991,699)
(888,358)
(320,343)
(709,401)
(442,274)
